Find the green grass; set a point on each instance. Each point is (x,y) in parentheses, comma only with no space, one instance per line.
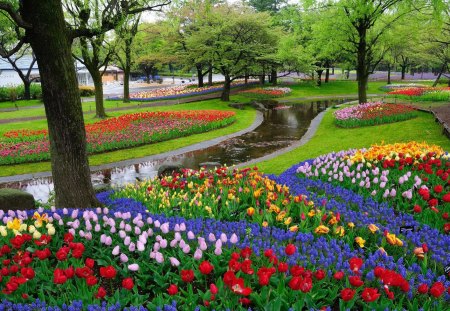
(20,103)
(329,138)
(309,88)
(244,118)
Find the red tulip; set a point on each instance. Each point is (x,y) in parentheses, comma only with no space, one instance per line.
(339,275)
(347,294)
(370,294)
(128,283)
(108,272)
(355,281)
(423,288)
(172,290)
(437,289)
(205,267)
(101,293)
(187,275)
(290,249)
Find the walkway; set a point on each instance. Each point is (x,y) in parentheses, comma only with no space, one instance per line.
(442,115)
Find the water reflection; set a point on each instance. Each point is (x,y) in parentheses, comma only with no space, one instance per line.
(283,125)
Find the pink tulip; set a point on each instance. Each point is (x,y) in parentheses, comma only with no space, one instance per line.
(198,254)
(234,238)
(116,250)
(174,262)
(133,267)
(123,258)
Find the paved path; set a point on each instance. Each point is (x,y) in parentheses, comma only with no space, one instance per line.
(442,115)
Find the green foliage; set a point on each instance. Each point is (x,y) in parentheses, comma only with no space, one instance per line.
(13,93)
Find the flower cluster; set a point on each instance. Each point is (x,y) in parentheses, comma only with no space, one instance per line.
(116,133)
(267,92)
(373,114)
(181,91)
(391,87)
(422,93)
(414,177)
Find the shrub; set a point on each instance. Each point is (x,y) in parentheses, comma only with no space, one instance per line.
(86,90)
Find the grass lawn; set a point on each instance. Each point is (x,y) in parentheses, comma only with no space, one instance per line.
(244,118)
(21,103)
(329,138)
(309,88)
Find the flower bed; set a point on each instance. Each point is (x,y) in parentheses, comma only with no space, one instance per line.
(267,92)
(391,87)
(174,243)
(373,114)
(413,177)
(116,133)
(181,91)
(422,94)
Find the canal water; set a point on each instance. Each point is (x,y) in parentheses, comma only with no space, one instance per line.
(283,125)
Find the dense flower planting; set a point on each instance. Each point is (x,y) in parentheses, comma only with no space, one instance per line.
(422,94)
(116,133)
(391,87)
(184,90)
(234,239)
(267,92)
(373,114)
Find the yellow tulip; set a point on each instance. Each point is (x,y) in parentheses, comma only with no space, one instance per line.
(3,231)
(360,241)
(14,224)
(250,211)
(418,251)
(311,213)
(37,235)
(351,225)
(373,228)
(293,228)
(322,229)
(339,231)
(288,221)
(281,215)
(265,224)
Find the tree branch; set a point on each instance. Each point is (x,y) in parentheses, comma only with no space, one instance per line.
(4,53)
(8,8)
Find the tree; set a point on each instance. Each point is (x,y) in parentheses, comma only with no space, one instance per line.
(50,37)
(266,5)
(24,76)
(94,52)
(126,33)
(234,44)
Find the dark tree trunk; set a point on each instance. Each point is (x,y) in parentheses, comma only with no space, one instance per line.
(332,71)
(389,74)
(404,67)
(126,84)
(273,75)
(327,75)
(52,47)
(246,78)
(126,72)
(200,75)
(210,75)
(362,74)
(439,75)
(98,84)
(226,89)
(26,88)
(319,77)
(262,78)
(148,73)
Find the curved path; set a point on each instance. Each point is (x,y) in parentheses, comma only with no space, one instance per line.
(204,144)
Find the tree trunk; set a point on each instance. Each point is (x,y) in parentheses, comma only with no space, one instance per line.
(319,77)
(226,89)
(262,78)
(126,84)
(403,71)
(126,73)
(274,77)
(98,84)
(332,71)
(439,75)
(362,74)
(52,47)
(200,75)
(210,75)
(327,75)
(389,74)
(246,79)
(27,91)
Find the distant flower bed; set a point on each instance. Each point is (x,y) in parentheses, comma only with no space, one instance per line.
(391,87)
(267,92)
(126,131)
(181,91)
(422,93)
(373,114)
